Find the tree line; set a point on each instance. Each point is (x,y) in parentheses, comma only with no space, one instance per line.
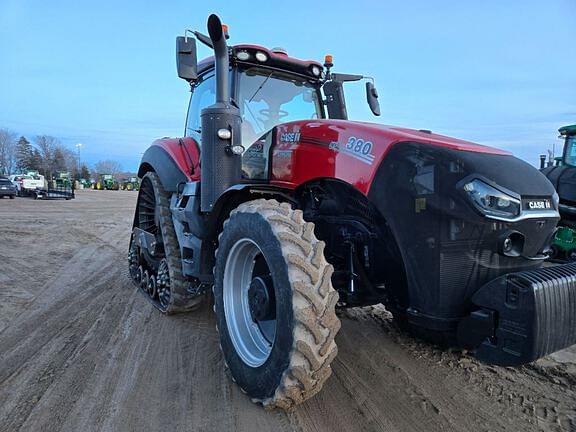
(47,155)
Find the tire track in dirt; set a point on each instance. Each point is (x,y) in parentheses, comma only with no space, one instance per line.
(38,351)
(83,350)
(28,334)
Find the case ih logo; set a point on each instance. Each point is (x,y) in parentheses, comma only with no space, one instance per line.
(290,137)
(538,205)
(357,148)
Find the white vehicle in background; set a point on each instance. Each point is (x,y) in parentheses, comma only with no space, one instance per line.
(27,183)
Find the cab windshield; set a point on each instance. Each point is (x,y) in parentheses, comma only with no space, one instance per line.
(570,151)
(268,98)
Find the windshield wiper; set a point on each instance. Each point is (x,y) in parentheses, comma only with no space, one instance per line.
(259,88)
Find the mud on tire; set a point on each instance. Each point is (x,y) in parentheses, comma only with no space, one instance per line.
(299,360)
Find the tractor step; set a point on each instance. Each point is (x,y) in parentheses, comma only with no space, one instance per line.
(523,316)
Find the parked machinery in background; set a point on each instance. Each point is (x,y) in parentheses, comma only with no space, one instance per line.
(562,174)
(61,180)
(106,182)
(131,183)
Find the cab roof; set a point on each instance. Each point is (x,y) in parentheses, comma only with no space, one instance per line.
(568,130)
(274,59)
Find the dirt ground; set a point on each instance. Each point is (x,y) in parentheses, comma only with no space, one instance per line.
(82,350)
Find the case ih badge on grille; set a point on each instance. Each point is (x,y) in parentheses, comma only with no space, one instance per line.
(537,204)
(281,230)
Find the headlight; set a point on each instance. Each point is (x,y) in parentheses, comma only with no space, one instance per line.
(243,55)
(261,57)
(491,201)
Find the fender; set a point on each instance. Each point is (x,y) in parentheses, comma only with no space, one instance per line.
(197,232)
(175,160)
(242,192)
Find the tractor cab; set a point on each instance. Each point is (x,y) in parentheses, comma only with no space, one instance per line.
(568,133)
(268,87)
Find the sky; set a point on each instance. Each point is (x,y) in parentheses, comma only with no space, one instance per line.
(102,73)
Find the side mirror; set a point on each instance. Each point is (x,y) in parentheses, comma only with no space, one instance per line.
(186,58)
(372,98)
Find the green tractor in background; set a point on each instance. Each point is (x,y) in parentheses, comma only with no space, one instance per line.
(62,180)
(106,182)
(562,174)
(131,183)
(85,183)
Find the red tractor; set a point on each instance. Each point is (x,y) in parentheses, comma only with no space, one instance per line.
(284,210)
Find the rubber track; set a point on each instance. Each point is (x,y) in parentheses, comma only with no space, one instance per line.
(314,300)
(180,299)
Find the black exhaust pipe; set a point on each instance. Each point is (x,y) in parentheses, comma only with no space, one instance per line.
(542,161)
(221,58)
(221,168)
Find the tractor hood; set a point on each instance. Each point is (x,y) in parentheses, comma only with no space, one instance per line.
(421,135)
(353,151)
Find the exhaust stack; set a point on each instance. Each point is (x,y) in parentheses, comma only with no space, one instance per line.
(220,46)
(221,168)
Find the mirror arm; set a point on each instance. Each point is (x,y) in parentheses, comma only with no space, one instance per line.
(345,77)
(203,38)
(369,78)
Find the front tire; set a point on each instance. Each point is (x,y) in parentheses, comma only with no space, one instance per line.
(275,304)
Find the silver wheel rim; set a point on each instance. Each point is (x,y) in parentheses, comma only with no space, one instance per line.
(152,286)
(163,284)
(246,335)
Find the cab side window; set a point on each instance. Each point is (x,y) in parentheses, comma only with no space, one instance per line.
(203,95)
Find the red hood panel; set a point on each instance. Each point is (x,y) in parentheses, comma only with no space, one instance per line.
(346,150)
(392,134)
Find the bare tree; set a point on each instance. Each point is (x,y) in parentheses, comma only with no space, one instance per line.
(47,146)
(7,151)
(70,159)
(108,167)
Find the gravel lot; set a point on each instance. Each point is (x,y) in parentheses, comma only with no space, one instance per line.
(82,350)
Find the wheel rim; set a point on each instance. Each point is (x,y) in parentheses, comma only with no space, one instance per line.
(163,284)
(140,276)
(253,339)
(133,263)
(144,281)
(152,287)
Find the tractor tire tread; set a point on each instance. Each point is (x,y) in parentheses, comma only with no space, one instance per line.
(180,300)
(314,301)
